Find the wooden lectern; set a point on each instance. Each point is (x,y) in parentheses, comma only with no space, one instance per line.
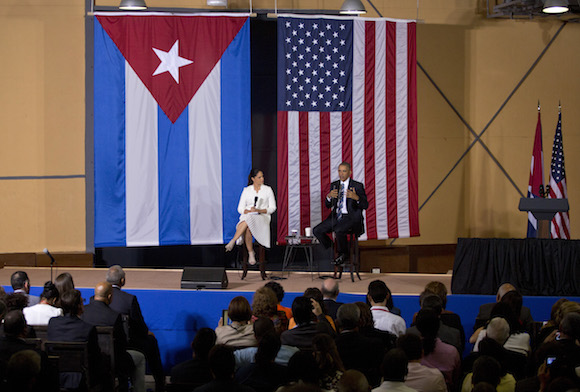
(544,211)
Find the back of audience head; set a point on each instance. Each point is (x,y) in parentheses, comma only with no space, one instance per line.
(316,294)
(490,347)
(438,289)
(267,349)
(503,289)
(433,302)
(203,342)
(411,345)
(50,293)
(366,316)
(498,329)
(19,280)
(378,292)
(277,289)
(300,368)
(264,302)
(15,324)
(502,309)
(302,310)
(239,309)
(64,282)
(515,301)
(394,365)
(72,302)
(329,288)
(348,316)
(486,369)
(565,308)
(103,292)
(23,369)
(353,381)
(570,326)
(483,387)
(116,275)
(222,362)
(263,326)
(326,354)
(427,323)
(16,301)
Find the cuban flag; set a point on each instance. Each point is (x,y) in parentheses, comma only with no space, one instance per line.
(172,127)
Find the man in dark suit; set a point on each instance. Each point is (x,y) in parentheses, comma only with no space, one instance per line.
(140,338)
(304,310)
(485,309)
(98,313)
(347,200)
(330,293)
(21,285)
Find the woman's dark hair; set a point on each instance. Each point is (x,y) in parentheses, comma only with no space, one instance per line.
(366,316)
(503,309)
(50,291)
(427,323)
(326,355)
(486,369)
(239,309)
(64,282)
(277,289)
(203,342)
(71,301)
(253,173)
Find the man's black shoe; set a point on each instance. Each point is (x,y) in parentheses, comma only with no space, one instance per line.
(340,260)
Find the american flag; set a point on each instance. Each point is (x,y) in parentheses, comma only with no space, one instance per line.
(561,222)
(536,176)
(347,92)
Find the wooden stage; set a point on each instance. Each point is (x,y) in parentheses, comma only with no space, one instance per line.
(170,279)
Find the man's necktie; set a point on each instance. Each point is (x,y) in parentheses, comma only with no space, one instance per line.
(339,207)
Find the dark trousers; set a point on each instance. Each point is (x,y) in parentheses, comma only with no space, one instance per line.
(340,228)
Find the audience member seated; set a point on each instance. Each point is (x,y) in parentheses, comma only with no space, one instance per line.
(279,291)
(16,301)
(263,375)
(128,363)
(195,372)
(263,326)
(518,340)
(330,365)
(447,317)
(64,282)
(356,350)
(353,381)
(437,354)
(300,373)
(488,369)
(316,294)
(367,328)
(310,320)
(43,311)
(378,296)
(21,285)
(492,345)
(140,337)
(559,310)
(485,310)
(394,370)
(265,304)
(240,332)
(221,364)
(447,334)
(330,293)
(70,328)
(419,377)
(24,372)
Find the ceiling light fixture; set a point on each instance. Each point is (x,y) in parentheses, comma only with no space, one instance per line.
(555,6)
(352,7)
(133,5)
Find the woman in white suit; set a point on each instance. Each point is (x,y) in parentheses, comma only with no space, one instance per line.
(256,204)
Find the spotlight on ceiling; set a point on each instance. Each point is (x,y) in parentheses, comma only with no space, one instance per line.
(133,5)
(352,7)
(217,3)
(555,6)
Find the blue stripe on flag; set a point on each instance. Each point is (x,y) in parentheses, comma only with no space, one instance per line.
(109,139)
(236,126)
(173,155)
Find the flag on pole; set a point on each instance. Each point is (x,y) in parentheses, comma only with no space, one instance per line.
(560,227)
(171,127)
(536,176)
(347,91)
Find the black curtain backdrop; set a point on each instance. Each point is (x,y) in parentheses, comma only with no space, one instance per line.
(263,74)
(534,266)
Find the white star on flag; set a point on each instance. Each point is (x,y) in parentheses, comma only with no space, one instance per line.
(171,61)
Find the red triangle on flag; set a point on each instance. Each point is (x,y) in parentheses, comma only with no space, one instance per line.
(172,55)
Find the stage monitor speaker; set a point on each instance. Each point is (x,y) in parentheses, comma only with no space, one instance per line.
(198,278)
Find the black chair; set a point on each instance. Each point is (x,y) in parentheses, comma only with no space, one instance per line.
(73,361)
(107,346)
(40,333)
(353,260)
